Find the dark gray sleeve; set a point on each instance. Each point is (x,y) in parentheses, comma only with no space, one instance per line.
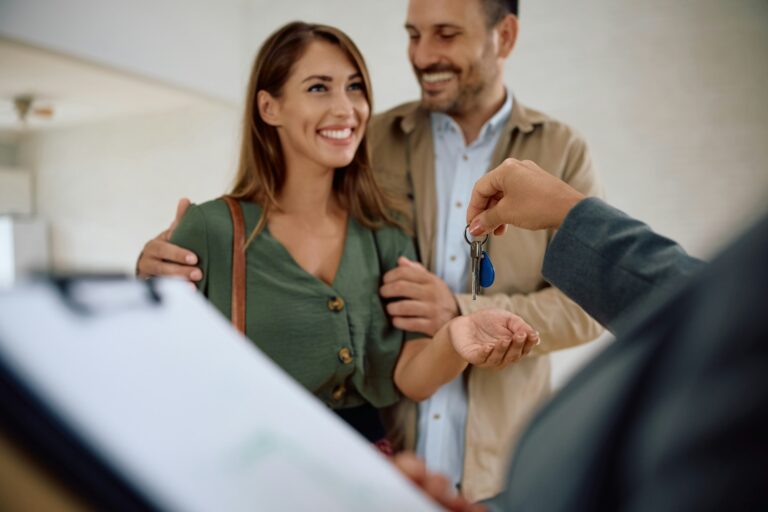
(606,261)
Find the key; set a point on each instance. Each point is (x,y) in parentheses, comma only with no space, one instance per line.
(475,253)
(480,268)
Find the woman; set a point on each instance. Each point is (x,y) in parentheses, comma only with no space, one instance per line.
(321,237)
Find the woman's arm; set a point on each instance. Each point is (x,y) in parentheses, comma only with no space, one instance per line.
(488,338)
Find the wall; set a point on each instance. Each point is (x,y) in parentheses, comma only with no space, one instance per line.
(108,187)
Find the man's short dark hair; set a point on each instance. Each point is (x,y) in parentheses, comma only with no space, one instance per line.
(495,10)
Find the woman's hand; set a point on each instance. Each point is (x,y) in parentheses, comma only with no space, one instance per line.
(492,338)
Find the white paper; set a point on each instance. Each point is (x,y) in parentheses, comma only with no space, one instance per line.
(187,410)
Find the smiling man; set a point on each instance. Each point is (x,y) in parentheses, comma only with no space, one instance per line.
(430,152)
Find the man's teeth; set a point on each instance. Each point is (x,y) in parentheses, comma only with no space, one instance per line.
(437,77)
(337,134)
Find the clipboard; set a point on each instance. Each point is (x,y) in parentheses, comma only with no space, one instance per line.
(141,396)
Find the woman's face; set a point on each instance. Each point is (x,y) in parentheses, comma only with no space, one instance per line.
(322,111)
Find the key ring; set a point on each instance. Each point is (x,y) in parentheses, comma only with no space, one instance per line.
(466,230)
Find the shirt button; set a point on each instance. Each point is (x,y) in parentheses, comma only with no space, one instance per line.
(459,204)
(345,355)
(465,157)
(339,392)
(336,304)
(435,416)
(453,257)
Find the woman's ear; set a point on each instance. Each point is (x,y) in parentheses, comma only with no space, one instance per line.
(269,108)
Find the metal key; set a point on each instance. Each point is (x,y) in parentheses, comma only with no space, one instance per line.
(475,253)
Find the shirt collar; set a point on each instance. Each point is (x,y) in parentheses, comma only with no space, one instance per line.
(443,122)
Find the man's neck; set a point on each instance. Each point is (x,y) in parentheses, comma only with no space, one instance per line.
(472,120)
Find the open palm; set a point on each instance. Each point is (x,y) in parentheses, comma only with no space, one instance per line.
(491,338)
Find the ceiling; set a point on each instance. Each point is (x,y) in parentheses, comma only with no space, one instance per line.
(78,91)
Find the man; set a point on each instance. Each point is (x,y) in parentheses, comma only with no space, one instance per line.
(674,415)
(431,152)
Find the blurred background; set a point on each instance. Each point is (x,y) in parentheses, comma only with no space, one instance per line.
(110,111)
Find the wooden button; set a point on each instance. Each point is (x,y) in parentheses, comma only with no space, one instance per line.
(345,355)
(339,392)
(336,304)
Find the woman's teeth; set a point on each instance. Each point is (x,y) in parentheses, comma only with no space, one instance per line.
(337,134)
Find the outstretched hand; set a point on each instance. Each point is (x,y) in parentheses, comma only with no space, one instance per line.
(492,338)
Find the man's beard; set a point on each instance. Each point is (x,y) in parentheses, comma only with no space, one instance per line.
(470,89)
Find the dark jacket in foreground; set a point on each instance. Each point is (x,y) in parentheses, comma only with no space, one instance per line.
(674,415)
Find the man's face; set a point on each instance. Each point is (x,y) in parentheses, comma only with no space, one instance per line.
(452,51)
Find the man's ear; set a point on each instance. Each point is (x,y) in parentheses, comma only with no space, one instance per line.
(269,108)
(507,32)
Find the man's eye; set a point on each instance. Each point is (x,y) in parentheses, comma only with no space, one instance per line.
(448,35)
(317,88)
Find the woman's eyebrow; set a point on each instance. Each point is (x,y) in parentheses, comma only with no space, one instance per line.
(324,78)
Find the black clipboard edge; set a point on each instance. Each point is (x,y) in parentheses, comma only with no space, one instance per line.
(36,429)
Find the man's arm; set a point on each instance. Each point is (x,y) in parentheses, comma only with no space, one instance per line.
(600,257)
(607,261)
(162,258)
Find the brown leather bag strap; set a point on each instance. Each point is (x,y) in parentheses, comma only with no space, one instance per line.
(238,263)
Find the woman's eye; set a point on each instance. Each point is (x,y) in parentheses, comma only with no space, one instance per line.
(317,88)
(356,86)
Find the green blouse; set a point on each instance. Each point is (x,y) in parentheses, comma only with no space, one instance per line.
(335,340)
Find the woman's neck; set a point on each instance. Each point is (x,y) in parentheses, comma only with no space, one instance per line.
(309,194)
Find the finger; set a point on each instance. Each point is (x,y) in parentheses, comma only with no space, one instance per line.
(181,208)
(163,250)
(405,262)
(485,188)
(413,324)
(404,289)
(159,268)
(409,308)
(499,351)
(408,272)
(532,340)
(411,466)
(488,221)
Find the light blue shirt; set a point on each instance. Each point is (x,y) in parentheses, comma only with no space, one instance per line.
(443,417)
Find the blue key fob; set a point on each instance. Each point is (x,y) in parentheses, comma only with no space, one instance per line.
(487,274)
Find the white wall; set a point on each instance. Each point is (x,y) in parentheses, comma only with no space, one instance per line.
(108,187)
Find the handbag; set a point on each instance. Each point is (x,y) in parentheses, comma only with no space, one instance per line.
(238,263)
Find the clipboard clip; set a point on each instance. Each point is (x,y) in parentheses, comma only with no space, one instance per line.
(89,294)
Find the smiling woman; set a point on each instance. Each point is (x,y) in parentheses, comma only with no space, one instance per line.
(321,238)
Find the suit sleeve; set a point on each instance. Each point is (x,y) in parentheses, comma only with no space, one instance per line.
(559,320)
(607,261)
(192,234)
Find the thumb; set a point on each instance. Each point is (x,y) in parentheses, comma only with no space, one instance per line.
(181,208)
(405,262)
(487,221)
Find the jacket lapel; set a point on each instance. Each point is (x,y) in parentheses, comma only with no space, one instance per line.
(418,130)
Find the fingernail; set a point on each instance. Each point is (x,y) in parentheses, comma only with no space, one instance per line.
(191,259)
(476,228)
(195,275)
(520,335)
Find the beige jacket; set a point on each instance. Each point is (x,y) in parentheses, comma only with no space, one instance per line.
(500,401)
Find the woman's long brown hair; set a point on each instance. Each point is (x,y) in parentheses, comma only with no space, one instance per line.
(261,171)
